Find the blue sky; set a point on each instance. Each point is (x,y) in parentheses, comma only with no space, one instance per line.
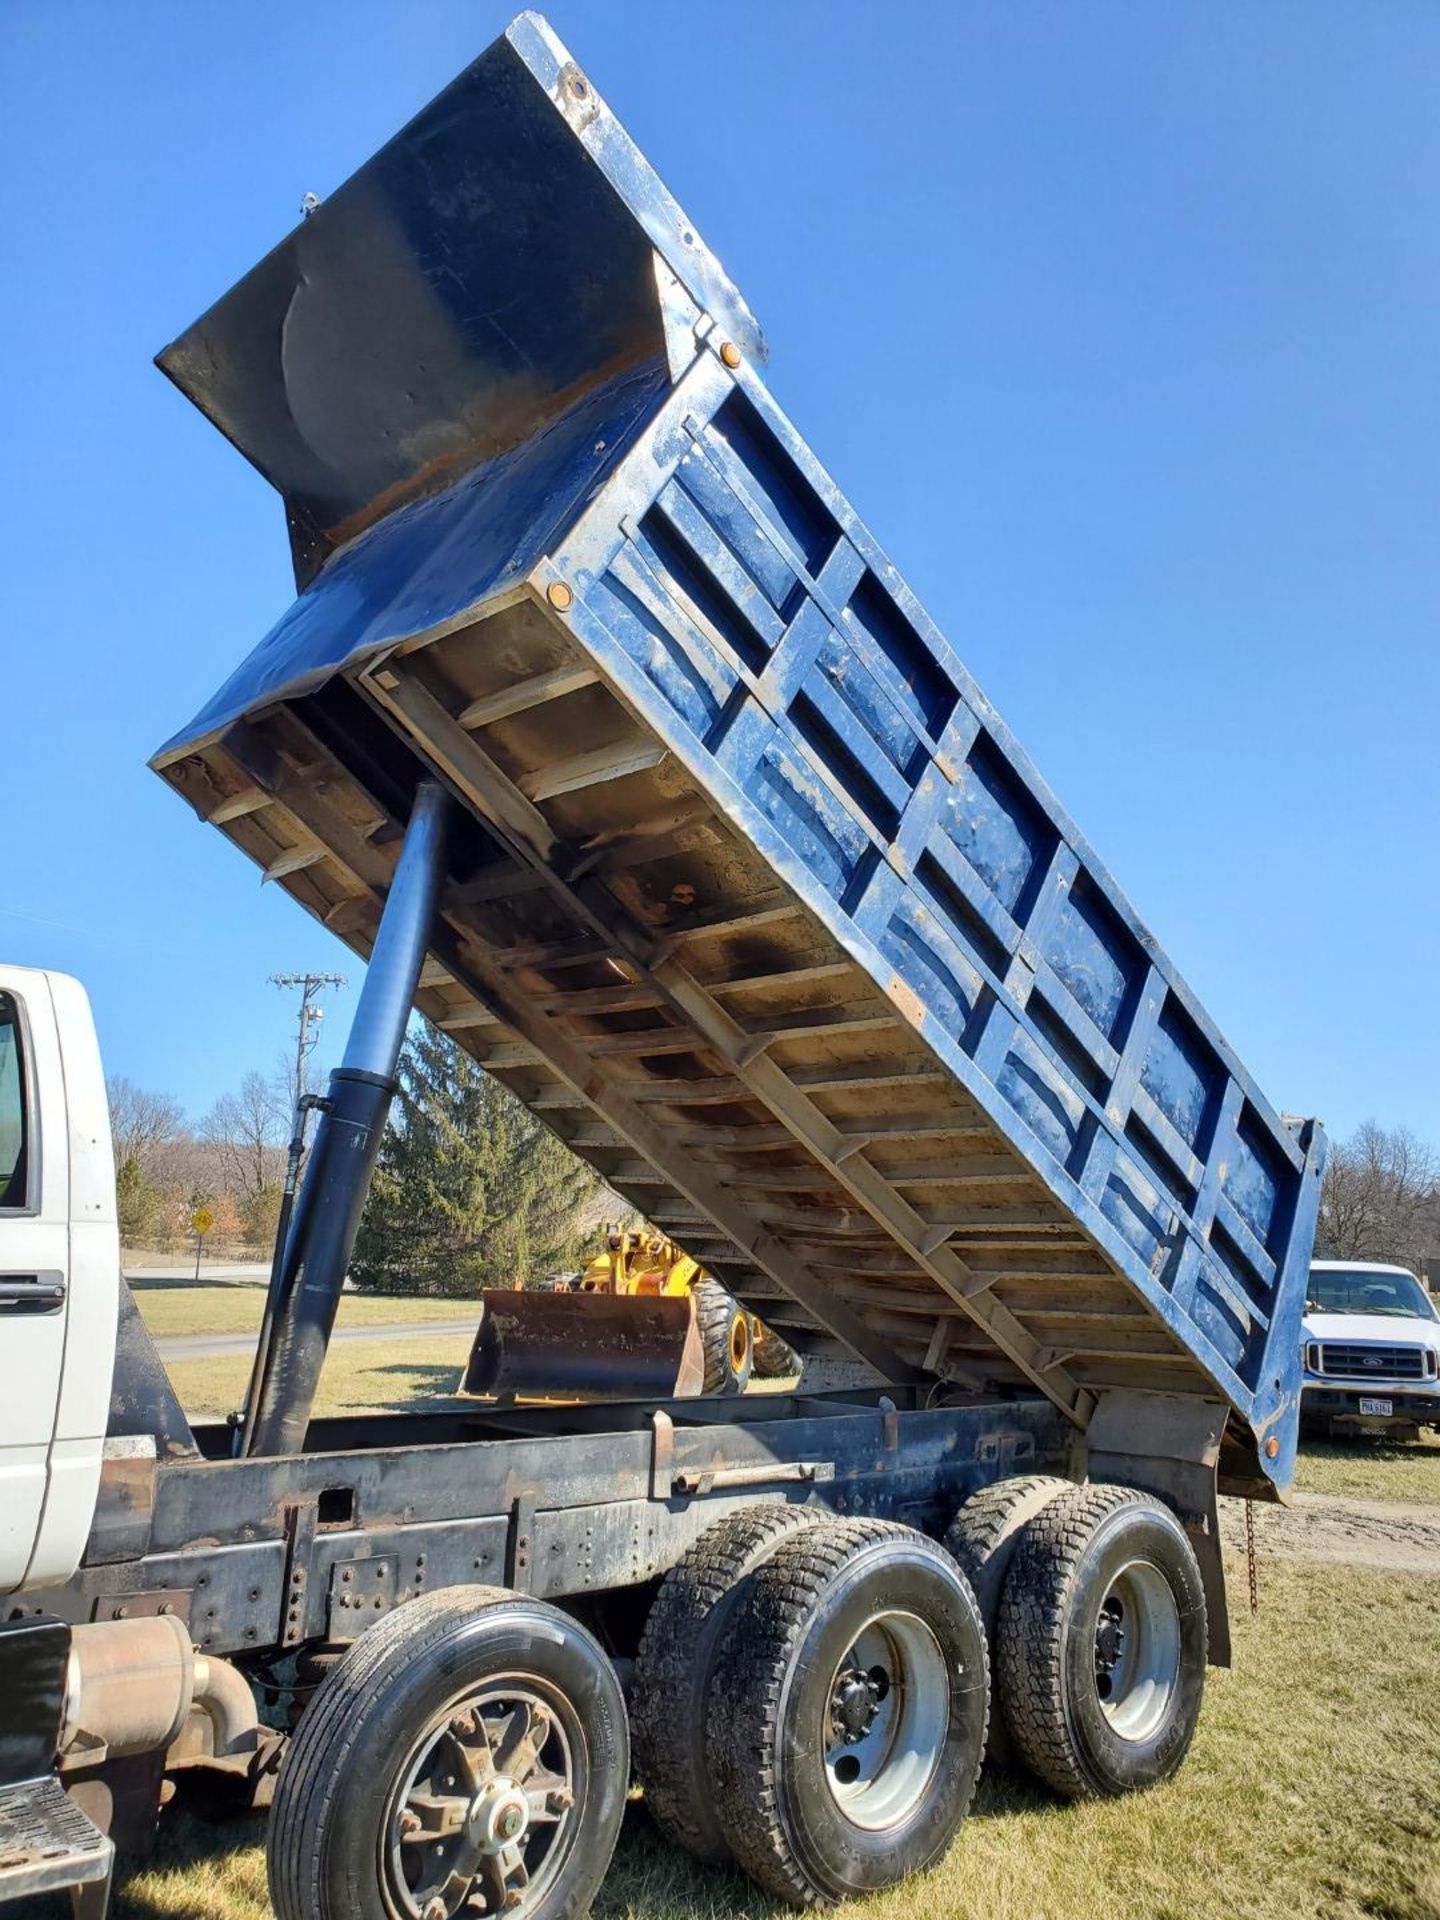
(1117,322)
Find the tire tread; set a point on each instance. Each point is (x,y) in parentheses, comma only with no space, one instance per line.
(672,1669)
(1030,1638)
(715,1311)
(745,1698)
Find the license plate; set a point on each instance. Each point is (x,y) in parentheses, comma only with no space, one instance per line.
(1377,1406)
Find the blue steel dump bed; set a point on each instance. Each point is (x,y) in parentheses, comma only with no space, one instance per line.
(758,901)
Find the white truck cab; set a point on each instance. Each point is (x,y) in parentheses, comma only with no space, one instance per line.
(1371,1350)
(59,1274)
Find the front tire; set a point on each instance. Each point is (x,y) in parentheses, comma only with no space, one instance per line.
(473,1743)
(1101,1643)
(724,1338)
(847,1712)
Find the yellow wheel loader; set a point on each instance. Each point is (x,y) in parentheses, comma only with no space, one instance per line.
(642,1319)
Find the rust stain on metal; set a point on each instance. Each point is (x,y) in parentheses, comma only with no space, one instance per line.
(906,998)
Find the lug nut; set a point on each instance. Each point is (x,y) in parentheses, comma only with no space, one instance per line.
(463,1725)
(559,1800)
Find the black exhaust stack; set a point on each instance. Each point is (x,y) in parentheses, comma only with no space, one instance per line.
(300,1313)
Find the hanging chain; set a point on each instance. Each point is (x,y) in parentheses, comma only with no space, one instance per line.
(1250,1565)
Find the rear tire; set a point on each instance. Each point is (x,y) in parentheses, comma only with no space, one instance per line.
(724,1338)
(673,1668)
(775,1358)
(982,1539)
(847,1712)
(471,1722)
(1101,1643)
(983,1535)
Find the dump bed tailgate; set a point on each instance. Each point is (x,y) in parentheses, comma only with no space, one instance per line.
(757,900)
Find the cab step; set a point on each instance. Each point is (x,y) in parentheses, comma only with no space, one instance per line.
(47,1845)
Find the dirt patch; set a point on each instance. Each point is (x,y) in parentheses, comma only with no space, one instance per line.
(1384,1536)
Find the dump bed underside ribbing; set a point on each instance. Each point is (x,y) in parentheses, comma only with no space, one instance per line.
(687,1026)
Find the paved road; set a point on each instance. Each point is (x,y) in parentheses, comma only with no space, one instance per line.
(211,1346)
(236,1273)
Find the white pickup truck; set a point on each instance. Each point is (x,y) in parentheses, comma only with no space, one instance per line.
(1371,1351)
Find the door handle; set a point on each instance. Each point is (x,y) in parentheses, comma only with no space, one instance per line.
(32,1292)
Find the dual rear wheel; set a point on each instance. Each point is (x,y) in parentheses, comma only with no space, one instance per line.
(810,1701)
(1101,1643)
(826,1770)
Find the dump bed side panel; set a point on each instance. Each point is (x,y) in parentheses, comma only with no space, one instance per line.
(742,606)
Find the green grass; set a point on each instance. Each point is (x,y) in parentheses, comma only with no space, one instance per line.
(1372,1469)
(1313,1789)
(370,1375)
(225,1307)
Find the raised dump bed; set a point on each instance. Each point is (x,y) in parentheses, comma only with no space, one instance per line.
(757,901)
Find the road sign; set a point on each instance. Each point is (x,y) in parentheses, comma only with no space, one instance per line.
(202,1220)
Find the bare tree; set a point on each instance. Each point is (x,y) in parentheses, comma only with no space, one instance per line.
(283,1079)
(142,1124)
(245,1131)
(1379,1200)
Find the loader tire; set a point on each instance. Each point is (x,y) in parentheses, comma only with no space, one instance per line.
(775,1358)
(1101,1643)
(404,1723)
(675,1661)
(724,1338)
(867,1632)
(983,1537)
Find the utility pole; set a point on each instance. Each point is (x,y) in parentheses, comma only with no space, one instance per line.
(307,1031)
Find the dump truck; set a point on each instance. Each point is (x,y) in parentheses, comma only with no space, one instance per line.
(609,736)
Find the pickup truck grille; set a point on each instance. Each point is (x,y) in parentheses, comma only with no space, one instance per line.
(1349,1361)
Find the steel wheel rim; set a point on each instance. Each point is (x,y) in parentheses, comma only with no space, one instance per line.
(483,1814)
(739,1343)
(1137,1650)
(887,1718)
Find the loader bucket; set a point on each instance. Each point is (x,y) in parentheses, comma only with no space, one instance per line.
(585,1346)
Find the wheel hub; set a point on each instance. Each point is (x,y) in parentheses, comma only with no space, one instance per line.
(1109,1638)
(1137,1650)
(856,1701)
(484,1810)
(498,1816)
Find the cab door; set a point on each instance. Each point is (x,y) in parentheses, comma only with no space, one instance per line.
(34,1259)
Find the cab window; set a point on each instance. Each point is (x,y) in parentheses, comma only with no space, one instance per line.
(14,1129)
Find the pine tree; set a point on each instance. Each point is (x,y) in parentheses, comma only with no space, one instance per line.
(137,1202)
(470,1191)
